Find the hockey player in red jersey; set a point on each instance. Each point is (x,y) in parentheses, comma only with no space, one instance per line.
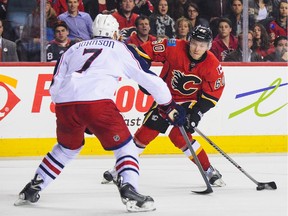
(85,79)
(196,81)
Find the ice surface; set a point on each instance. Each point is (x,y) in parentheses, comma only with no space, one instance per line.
(168,179)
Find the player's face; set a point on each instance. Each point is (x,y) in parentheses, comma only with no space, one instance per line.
(143,27)
(61,34)
(197,49)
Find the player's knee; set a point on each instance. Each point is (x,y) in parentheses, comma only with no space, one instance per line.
(144,136)
(177,139)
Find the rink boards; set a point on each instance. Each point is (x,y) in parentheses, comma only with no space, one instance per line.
(250,117)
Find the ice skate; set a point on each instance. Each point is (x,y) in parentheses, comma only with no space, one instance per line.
(109,176)
(30,193)
(214,177)
(134,201)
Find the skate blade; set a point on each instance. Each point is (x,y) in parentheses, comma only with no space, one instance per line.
(104,181)
(219,183)
(146,207)
(21,201)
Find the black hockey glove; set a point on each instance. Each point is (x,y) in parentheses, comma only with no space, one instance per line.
(192,119)
(173,113)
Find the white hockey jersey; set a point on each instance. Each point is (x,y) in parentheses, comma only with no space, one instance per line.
(90,70)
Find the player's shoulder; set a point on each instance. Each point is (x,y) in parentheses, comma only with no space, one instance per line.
(212,58)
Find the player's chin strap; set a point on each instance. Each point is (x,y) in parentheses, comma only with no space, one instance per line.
(209,188)
(260,185)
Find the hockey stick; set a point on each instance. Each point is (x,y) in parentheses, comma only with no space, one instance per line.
(209,188)
(260,185)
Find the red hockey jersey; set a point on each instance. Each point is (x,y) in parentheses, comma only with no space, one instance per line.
(187,79)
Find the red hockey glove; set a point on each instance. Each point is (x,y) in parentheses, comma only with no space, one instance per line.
(173,113)
(192,119)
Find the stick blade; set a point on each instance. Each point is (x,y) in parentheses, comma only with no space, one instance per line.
(207,191)
(266,185)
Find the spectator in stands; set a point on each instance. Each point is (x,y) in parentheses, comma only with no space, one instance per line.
(61,43)
(237,55)
(236,16)
(260,11)
(51,18)
(29,45)
(8,52)
(213,10)
(192,14)
(143,7)
(178,8)
(61,6)
(3,9)
(142,35)
(278,27)
(162,25)
(261,41)
(126,18)
(281,50)
(225,42)
(183,27)
(79,23)
(94,7)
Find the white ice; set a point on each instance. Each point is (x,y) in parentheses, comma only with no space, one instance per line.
(169,179)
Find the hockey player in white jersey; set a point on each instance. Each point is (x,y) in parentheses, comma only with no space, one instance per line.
(84,82)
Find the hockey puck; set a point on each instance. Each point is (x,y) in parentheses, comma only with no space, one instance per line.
(260,187)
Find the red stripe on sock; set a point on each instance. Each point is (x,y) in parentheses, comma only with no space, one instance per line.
(127,163)
(51,167)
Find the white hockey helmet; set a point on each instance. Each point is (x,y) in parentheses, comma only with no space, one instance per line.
(105,26)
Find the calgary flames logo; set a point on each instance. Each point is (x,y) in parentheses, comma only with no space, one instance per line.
(12,100)
(185,84)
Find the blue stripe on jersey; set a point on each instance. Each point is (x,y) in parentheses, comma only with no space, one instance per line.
(128,169)
(144,65)
(46,171)
(127,156)
(55,161)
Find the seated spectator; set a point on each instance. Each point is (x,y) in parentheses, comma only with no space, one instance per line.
(213,10)
(126,18)
(237,55)
(3,9)
(192,14)
(79,23)
(29,44)
(260,11)
(281,51)
(61,6)
(94,7)
(225,42)
(8,51)
(51,18)
(183,27)
(142,32)
(236,16)
(178,8)
(278,27)
(143,7)
(261,41)
(61,41)
(162,25)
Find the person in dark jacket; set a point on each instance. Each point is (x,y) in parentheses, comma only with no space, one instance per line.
(237,55)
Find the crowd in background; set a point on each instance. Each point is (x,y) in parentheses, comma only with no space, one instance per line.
(70,21)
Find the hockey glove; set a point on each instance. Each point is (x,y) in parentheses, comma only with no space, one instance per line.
(173,113)
(192,119)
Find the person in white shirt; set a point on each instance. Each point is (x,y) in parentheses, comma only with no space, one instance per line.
(85,79)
